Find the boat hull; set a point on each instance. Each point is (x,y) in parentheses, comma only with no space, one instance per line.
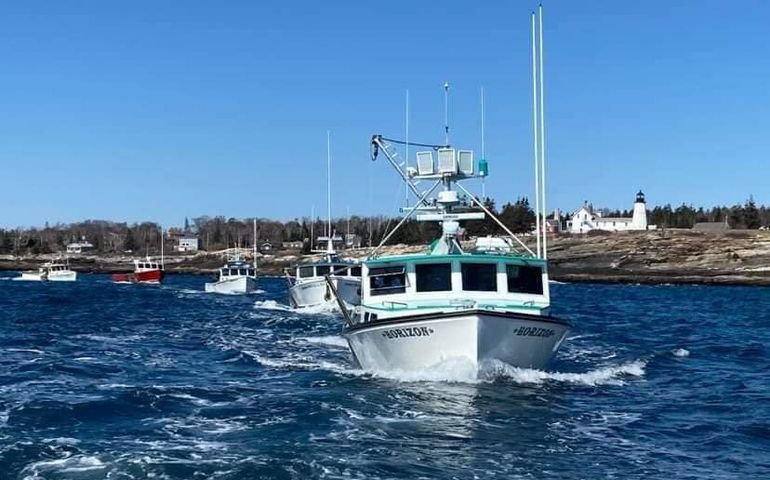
(421,341)
(316,291)
(233,286)
(149,276)
(67,276)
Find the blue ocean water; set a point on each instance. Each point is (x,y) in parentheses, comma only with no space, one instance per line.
(111,381)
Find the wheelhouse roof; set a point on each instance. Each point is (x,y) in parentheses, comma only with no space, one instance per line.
(490,257)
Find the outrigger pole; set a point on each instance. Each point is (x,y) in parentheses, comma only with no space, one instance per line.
(536,135)
(542,135)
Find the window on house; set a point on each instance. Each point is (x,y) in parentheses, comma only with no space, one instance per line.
(479,277)
(434,277)
(524,279)
(387,280)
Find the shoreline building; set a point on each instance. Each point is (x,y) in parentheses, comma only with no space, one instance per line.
(586,219)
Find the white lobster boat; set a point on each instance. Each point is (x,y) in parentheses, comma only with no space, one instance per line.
(57,270)
(480,305)
(236,276)
(307,282)
(308,286)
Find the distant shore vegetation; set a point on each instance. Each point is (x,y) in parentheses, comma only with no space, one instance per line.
(218,233)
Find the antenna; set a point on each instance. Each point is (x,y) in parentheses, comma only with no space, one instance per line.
(406,162)
(483,157)
(446,113)
(162,263)
(542,134)
(329,245)
(535,133)
(312,224)
(255,244)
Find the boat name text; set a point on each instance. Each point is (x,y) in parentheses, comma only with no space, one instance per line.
(534,332)
(407,332)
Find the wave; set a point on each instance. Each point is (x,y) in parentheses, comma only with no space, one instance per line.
(329,340)
(73,464)
(272,305)
(680,352)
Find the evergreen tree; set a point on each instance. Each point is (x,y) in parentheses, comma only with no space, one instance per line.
(751,218)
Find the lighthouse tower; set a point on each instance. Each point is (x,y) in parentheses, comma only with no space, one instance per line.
(639,220)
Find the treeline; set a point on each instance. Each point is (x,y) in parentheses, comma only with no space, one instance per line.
(217,233)
(747,216)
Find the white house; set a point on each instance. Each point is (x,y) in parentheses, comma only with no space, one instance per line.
(188,244)
(79,247)
(586,219)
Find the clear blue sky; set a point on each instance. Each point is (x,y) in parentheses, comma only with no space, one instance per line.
(160,110)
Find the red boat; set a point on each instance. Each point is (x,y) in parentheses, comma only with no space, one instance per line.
(145,271)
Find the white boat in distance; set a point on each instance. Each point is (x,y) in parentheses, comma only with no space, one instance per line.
(307,282)
(57,270)
(236,276)
(308,286)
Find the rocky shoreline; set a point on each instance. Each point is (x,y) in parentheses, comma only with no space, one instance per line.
(655,257)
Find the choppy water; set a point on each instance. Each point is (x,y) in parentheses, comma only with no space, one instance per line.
(136,382)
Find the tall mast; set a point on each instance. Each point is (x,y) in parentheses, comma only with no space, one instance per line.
(329,244)
(312,225)
(483,156)
(542,134)
(535,134)
(255,244)
(162,264)
(446,113)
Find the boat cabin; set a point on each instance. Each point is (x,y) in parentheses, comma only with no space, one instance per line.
(146,265)
(423,281)
(242,270)
(304,271)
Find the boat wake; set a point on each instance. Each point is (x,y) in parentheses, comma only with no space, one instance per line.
(328,308)
(460,370)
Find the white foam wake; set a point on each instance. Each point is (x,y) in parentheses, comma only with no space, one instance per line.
(609,375)
(463,370)
(328,308)
(329,340)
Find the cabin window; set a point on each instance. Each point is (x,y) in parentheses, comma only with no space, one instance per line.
(387,280)
(355,271)
(234,271)
(225,272)
(434,277)
(524,279)
(243,272)
(322,270)
(479,277)
(251,272)
(305,272)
